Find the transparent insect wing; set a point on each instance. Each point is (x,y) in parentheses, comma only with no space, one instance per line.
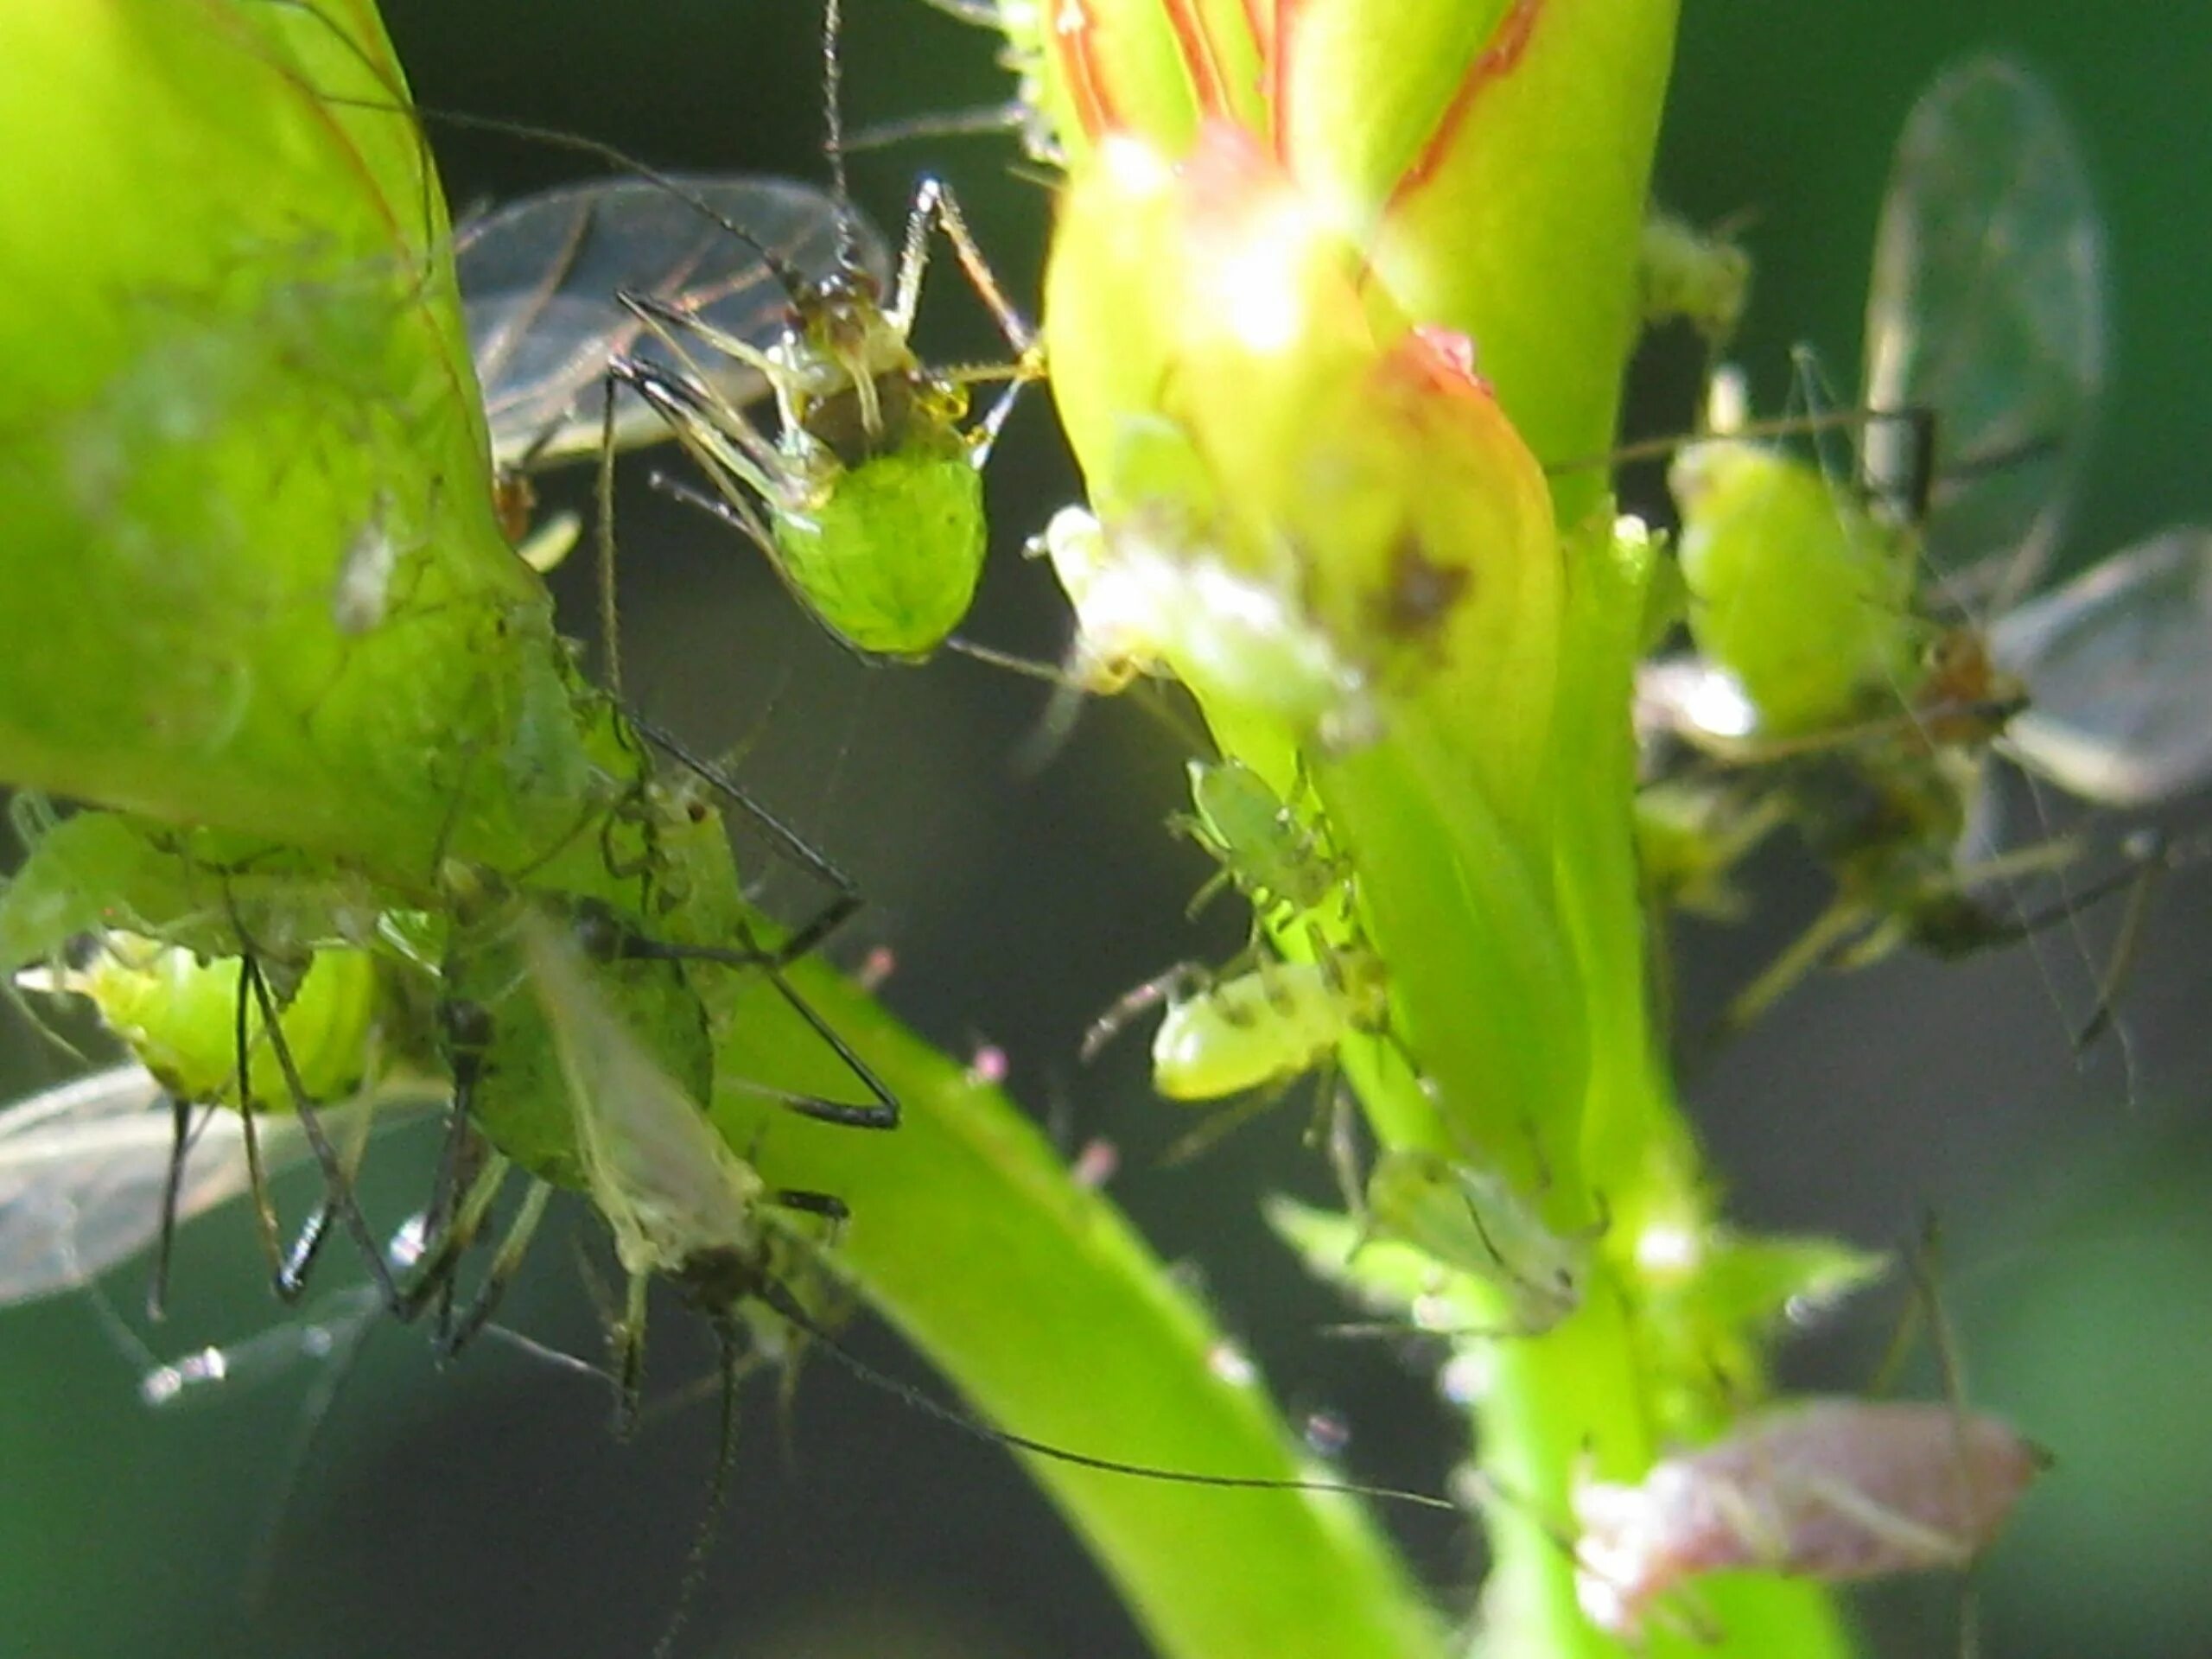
(539,280)
(82,1167)
(2118,663)
(1988,305)
(667,1183)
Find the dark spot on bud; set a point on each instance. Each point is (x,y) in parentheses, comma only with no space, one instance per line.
(1419,594)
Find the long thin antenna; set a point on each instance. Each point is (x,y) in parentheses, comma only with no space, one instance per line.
(928,1406)
(833,132)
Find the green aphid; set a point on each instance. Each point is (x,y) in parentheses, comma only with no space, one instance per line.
(1471,1221)
(1804,597)
(868,498)
(1276,857)
(1264,1027)
(181,1016)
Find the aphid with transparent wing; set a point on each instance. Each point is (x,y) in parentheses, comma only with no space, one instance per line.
(683,1205)
(1840,652)
(541,278)
(1986,331)
(867,499)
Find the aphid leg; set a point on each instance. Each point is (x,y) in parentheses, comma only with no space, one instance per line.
(610,631)
(1845,916)
(935,209)
(505,1263)
(158,1291)
(828,1205)
(2121,960)
(983,436)
(434,1274)
(738,515)
(728,1372)
(306,1248)
(462,1154)
(670,322)
(338,1184)
(257,1175)
(882,1110)
(1216,885)
(1217,1126)
(627,1341)
(731,453)
(1184,979)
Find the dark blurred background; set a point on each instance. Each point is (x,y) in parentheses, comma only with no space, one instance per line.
(483,1508)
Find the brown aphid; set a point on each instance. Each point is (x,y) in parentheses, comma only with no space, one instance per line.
(1828,1489)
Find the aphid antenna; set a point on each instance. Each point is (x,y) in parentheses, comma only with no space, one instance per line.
(796,849)
(732,1369)
(1915,492)
(985,121)
(833,132)
(788,1307)
(1219,1125)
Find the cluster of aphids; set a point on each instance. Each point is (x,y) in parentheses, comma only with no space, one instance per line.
(564,1014)
(277,1011)
(1865,639)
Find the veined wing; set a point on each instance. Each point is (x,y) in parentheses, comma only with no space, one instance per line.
(2118,663)
(539,278)
(82,1167)
(1988,305)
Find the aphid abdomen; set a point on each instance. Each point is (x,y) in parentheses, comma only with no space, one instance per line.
(499,1041)
(1246,1032)
(888,556)
(177,1014)
(1836,1490)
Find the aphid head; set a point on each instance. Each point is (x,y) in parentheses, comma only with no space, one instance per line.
(840,315)
(715,1281)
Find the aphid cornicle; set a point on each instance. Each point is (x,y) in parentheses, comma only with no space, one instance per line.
(1831,1489)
